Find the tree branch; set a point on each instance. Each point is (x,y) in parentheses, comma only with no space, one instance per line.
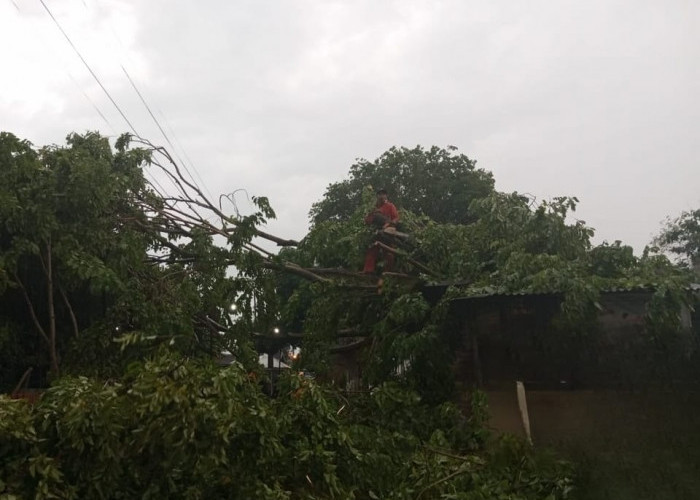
(348,347)
(53,354)
(73,319)
(444,479)
(193,195)
(294,269)
(22,382)
(339,271)
(30,306)
(408,258)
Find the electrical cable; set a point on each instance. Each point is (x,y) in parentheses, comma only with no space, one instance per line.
(94,105)
(184,152)
(157,186)
(162,131)
(50,48)
(142,97)
(155,119)
(75,49)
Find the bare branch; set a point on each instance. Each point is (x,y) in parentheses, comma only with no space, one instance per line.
(22,382)
(192,196)
(73,319)
(260,250)
(294,269)
(338,271)
(212,322)
(30,306)
(53,353)
(444,479)
(408,258)
(349,347)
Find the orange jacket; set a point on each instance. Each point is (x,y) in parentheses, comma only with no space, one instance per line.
(388,210)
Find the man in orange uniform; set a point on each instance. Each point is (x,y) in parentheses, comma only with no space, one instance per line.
(382,217)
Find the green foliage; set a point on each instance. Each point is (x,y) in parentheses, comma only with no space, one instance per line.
(436,182)
(179,428)
(681,236)
(135,311)
(91,279)
(612,261)
(500,243)
(62,239)
(12,349)
(24,469)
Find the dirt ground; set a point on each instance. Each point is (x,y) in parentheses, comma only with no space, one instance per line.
(627,445)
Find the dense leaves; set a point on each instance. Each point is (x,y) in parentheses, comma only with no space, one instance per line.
(681,237)
(96,272)
(129,293)
(503,243)
(178,428)
(63,244)
(436,182)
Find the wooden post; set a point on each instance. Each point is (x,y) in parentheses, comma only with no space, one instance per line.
(271,371)
(53,353)
(522,404)
(22,382)
(476,361)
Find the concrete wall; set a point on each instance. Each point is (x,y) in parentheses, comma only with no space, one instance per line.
(516,339)
(561,418)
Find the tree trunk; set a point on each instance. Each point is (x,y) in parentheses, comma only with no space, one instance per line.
(476,359)
(73,319)
(53,354)
(30,306)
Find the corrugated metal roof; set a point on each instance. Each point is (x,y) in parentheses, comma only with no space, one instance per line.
(497,294)
(489,292)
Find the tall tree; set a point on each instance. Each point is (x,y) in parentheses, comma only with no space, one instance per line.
(93,257)
(440,183)
(61,235)
(506,243)
(681,237)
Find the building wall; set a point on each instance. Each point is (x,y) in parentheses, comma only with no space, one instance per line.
(511,338)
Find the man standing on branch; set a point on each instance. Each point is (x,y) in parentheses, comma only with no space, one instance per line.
(384,217)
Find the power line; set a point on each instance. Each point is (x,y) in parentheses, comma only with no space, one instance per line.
(50,48)
(162,190)
(109,96)
(94,105)
(162,131)
(155,119)
(155,185)
(184,151)
(148,108)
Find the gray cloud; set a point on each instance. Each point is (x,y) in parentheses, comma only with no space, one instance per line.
(595,99)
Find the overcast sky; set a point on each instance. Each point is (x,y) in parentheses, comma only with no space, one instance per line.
(596,98)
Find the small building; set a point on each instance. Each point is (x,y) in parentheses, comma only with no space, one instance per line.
(575,381)
(505,337)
